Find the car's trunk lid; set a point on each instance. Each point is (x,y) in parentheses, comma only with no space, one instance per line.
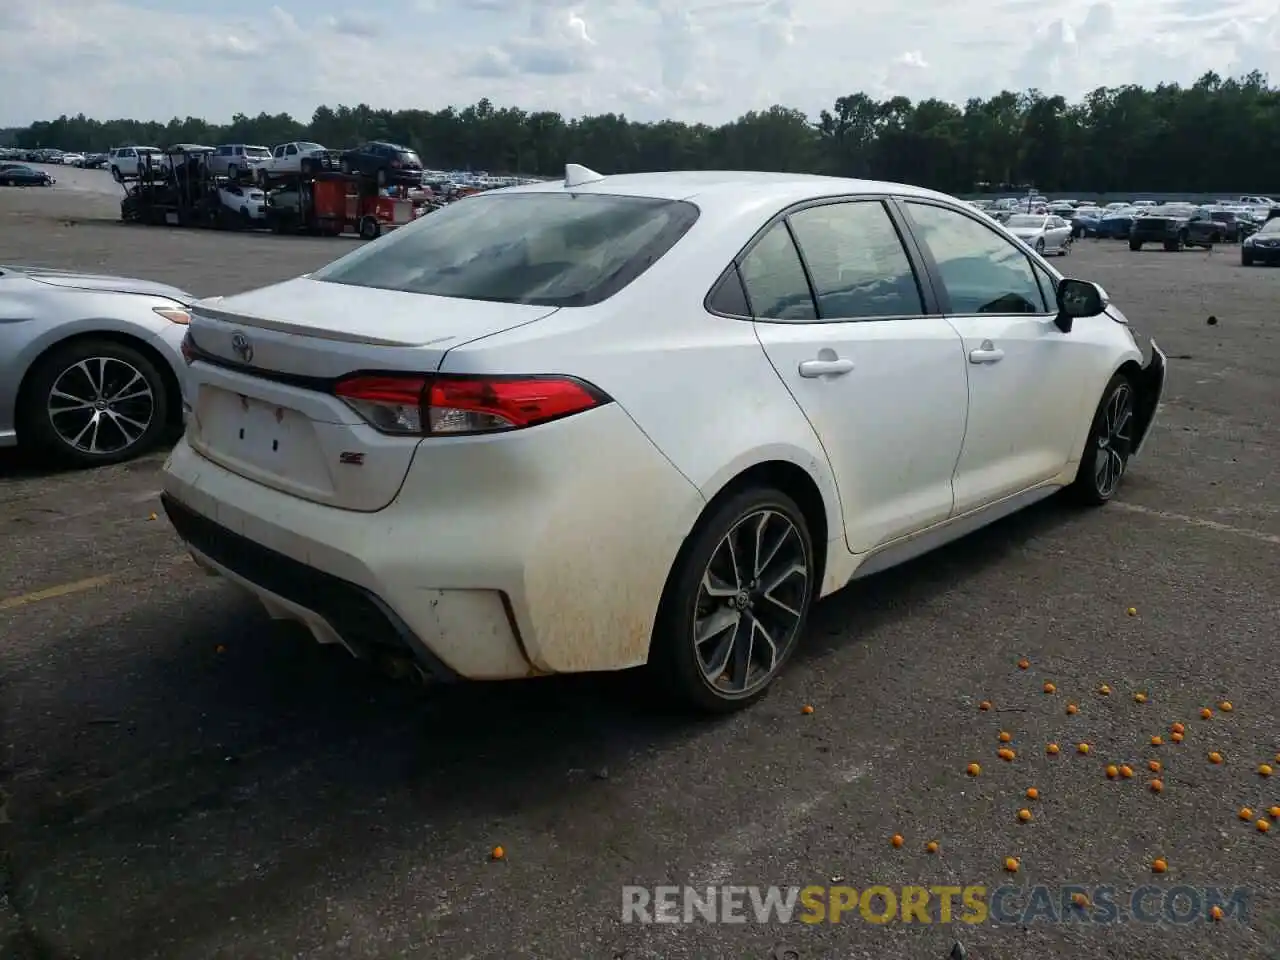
(266,362)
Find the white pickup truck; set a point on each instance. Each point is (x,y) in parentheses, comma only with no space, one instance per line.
(299,156)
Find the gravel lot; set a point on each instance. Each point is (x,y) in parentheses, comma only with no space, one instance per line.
(184,779)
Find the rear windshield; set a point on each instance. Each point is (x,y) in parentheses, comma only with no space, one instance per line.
(545,249)
(1024,220)
(257,152)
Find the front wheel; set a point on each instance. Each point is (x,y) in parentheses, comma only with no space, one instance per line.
(1135,244)
(94,402)
(1246,260)
(1040,246)
(1109,446)
(1066,247)
(736,602)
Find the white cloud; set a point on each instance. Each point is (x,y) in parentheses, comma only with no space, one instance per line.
(704,60)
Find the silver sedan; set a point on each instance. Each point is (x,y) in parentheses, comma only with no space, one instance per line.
(1044,233)
(91,367)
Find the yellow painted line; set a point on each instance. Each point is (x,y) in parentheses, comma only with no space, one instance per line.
(52,593)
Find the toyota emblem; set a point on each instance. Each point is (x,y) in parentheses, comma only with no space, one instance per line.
(242,347)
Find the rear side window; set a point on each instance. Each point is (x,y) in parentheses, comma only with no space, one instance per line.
(546,249)
(856,259)
(775,280)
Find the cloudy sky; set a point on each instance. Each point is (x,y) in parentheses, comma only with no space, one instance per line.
(689,59)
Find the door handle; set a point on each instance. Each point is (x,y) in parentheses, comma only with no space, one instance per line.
(825,368)
(986,354)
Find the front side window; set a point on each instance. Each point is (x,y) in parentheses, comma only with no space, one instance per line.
(548,249)
(774,277)
(982,271)
(856,259)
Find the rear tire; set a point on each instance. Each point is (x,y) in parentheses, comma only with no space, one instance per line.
(745,580)
(1109,445)
(1135,244)
(133,424)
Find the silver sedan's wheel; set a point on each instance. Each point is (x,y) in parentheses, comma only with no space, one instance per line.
(90,402)
(750,603)
(736,601)
(101,406)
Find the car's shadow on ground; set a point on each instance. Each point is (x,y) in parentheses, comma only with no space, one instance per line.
(18,464)
(200,721)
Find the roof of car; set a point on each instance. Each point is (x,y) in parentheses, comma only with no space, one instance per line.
(723,186)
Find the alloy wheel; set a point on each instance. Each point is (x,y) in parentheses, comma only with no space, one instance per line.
(750,603)
(1114,441)
(101,406)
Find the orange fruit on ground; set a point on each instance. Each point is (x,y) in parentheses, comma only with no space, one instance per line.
(1175,737)
(1005,736)
(1206,713)
(1140,697)
(1023,664)
(1178,728)
(1080,900)
(1263,826)
(1112,772)
(1264,769)
(1024,814)
(1082,748)
(1104,690)
(1050,688)
(806,709)
(1274,813)
(1157,740)
(1034,794)
(1011,864)
(1153,766)
(1052,749)
(985,705)
(1215,757)
(1126,771)
(1132,611)
(1225,706)
(896,840)
(973,769)
(1157,786)
(1159,865)
(1072,709)
(931,846)
(498,853)
(1006,754)
(1278,758)
(1216,912)
(1245,813)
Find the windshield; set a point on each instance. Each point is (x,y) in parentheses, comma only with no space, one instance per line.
(257,152)
(1271,227)
(408,156)
(1169,211)
(546,249)
(1025,220)
(304,145)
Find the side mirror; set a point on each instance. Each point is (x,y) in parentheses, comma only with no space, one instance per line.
(1078,299)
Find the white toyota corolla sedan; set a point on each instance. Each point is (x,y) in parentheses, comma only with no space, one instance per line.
(616,420)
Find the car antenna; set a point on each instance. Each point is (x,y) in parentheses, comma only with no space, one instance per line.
(575,175)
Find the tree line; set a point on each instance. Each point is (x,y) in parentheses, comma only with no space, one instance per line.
(1212,136)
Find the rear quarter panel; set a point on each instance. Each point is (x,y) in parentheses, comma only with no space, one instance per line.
(698,385)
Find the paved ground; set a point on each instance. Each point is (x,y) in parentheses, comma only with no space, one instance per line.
(185,780)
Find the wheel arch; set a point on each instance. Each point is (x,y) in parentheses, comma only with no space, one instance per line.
(788,477)
(172,385)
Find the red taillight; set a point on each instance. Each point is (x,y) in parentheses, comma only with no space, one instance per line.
(452,405)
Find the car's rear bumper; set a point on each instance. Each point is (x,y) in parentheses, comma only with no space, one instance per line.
(502,557)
